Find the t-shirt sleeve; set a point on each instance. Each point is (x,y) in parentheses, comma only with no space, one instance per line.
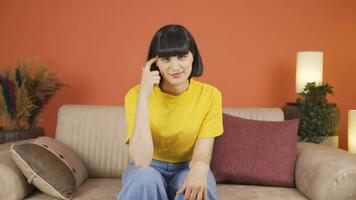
(130,110)
(212,125)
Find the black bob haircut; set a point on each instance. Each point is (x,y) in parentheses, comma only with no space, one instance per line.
(175,40)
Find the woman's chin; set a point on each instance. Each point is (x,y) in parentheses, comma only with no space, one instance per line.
(177,81)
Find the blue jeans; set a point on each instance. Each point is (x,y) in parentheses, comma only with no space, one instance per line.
(160,181)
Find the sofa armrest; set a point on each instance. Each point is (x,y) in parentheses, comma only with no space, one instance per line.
(13,184)
(325,172)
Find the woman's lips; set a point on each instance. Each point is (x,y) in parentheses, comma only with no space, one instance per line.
(176,75)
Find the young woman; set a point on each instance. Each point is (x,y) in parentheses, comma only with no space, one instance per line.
(172,120)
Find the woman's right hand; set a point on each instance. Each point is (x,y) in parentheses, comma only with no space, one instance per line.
(149,78)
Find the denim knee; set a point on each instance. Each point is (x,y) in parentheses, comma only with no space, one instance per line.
(143,184)
(147,176)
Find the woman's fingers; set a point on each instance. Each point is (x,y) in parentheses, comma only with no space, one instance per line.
(149,63)
(156,79)
(205,194)
(193,194)
(180,190)
(200,195)
(149,78)
(187,193)
(154,73)
(156,83)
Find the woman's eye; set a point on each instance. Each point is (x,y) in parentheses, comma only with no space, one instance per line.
(165,59)
(184,56)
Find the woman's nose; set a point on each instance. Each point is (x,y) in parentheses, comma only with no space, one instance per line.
(175,65)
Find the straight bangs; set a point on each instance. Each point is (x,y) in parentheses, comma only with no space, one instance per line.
(173,43)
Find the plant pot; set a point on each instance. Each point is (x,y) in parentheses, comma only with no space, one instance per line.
(14,135)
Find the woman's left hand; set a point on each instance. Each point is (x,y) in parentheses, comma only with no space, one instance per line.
(195,183)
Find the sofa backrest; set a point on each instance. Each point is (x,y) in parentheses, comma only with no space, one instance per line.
(264,114)
(97,134)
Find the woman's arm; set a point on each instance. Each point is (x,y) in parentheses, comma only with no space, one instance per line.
(202,151)
(141,144)
(195,184)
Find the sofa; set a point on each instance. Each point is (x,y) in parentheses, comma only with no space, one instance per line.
(97,132)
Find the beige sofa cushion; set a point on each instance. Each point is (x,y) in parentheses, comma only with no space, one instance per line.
(92,189)
(98,189)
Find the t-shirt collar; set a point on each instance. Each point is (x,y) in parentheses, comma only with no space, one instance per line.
(170,97)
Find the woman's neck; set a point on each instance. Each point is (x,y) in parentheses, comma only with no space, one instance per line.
(174,89)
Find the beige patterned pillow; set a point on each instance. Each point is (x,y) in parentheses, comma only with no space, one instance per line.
(50,166)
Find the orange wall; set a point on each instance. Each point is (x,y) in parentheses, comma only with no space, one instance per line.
(248,47)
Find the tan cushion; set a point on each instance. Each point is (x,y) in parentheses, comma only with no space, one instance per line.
(50,166)
(44,170)
(69,157)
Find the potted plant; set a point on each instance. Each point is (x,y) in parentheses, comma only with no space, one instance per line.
(319,118)
(22,98)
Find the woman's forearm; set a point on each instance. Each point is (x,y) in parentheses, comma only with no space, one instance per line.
(202,151)
(141,144)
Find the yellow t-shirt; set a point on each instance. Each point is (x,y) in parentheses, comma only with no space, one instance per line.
(176,121)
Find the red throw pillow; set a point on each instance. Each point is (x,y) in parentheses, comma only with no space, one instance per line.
(256,152)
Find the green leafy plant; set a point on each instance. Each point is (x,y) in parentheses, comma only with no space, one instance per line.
(316,111)
(23,96)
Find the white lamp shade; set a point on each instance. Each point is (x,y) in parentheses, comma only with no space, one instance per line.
(309,68)
(352,131)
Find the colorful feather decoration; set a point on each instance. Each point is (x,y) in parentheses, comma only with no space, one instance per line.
(1,80)
(23,96)
(11,86)
(18,77)
(7,96)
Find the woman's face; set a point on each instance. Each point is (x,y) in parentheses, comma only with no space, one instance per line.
(175,69)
